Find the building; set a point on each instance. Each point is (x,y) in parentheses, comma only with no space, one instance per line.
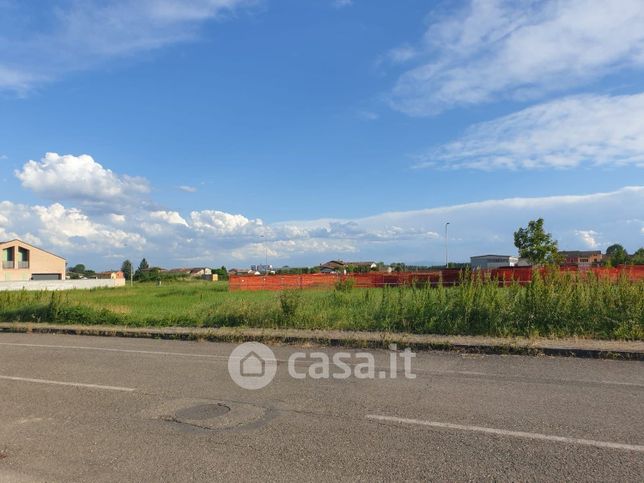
(339,266)
(110,275)
(22,262)
(332,266)
(582,258)
(482,262)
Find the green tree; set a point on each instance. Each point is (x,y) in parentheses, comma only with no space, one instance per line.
(617,254)
(222,273)
(78,268)
(126,268)
(535,244)
(142,272)
(638,257)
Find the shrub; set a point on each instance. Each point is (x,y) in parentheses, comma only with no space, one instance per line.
(290,301)
(344,285)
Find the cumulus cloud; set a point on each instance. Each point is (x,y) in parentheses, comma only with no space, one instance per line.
(171,217)
(588,238)
(212,237)
(70,177)
(225,224)
(67,230)
(579,130)
(188,189)
(495,49)
(72,36)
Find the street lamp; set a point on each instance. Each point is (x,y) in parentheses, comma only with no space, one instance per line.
(266,249)
(446,239)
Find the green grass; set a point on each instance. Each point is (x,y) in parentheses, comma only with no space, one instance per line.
(559,306)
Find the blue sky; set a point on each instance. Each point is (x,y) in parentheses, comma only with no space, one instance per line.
(207,131)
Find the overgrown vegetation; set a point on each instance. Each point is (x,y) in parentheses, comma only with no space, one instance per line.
(559,305)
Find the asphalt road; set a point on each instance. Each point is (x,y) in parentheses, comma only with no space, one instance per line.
(78,408)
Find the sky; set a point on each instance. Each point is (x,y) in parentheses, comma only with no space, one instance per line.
(222,132)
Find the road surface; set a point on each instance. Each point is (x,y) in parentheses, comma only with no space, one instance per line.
(77,408)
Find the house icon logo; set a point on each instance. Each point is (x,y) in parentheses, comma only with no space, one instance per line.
(252,365)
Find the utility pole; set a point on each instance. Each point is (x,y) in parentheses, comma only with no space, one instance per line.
(266,253)
(446,240)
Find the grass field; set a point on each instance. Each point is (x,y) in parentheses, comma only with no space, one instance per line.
(558,306)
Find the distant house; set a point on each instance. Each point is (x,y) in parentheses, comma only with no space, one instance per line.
(339,266)
(242,271)
(200,272)
(22,261)
(483,262)
(110,275)
(364,265)
(332,266)
(582,258)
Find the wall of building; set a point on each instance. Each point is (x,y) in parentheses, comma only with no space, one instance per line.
(61,284)
(493,262)
(39,262)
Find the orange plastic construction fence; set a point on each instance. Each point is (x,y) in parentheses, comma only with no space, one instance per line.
(446,277)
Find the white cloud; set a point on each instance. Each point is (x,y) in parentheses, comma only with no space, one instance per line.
(342,3)
(188,189)
(117,219)
(519,49)
(66,230)
(171,217)
(211,237)
(401,54)
(225,224)
(74,35)
(81,178)
(588,238)
(579,130)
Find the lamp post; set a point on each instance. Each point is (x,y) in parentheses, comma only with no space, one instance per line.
(266,252)
(446,240)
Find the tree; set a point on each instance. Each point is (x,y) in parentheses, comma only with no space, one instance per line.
(142,272)
(617,254)
(126,268)
(535,244)
(222,273)
(638,257)
(78,268)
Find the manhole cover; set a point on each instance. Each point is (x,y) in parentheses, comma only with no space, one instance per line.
(205,414)
(202,412)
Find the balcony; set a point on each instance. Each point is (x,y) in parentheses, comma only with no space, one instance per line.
(8,264)
(23,264)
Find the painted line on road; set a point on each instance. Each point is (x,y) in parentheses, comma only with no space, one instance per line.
(109,349)
(305,362)
(65,383)
(513,434)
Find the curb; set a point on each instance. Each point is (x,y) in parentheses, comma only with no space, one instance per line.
(595,349)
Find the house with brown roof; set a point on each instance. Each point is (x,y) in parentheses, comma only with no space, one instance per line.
(582,258)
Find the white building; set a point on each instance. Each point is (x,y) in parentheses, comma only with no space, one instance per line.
(493,261)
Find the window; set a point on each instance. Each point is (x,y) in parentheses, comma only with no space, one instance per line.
(8,257)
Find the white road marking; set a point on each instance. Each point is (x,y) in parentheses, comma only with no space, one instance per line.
(65,383)
(109,349)
(514,434)
(301,362)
